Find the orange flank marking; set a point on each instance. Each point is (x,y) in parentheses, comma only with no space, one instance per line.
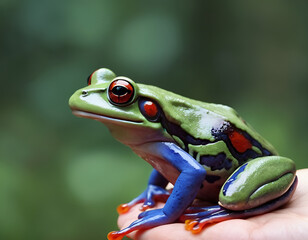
(123,208)
(239,142)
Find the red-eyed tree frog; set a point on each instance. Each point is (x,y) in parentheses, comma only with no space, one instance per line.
(205,150)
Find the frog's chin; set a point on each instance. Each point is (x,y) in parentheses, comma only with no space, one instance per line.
(129,132)
(105,119)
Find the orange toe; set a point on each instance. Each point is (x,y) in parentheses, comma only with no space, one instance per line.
(123,208)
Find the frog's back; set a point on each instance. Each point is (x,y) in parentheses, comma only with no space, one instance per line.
(201,120)
(213,134)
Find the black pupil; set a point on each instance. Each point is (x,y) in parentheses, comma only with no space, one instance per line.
(119,90)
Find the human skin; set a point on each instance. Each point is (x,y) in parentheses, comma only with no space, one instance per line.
(289,222)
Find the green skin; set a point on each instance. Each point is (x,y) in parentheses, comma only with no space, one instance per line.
(264,178)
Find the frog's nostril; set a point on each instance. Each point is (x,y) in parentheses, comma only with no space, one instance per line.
(84,93)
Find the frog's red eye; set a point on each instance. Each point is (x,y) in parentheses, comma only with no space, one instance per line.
(149,109)
(120,92)
(89,79)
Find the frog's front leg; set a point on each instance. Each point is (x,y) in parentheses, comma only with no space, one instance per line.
(257,187)
(155,192)
(191,176)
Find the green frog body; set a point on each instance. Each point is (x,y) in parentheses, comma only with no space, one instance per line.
(207,151)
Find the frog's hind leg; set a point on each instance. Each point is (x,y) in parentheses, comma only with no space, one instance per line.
(197,218)
(258,186)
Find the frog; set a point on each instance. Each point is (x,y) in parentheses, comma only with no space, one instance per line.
(205,151)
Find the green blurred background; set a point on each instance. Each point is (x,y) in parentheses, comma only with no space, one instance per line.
(61,177)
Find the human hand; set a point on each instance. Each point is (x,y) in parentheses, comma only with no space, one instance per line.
(289,222)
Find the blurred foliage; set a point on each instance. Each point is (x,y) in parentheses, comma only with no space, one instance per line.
(62,177)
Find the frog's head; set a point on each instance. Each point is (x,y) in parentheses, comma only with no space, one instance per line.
(122,105)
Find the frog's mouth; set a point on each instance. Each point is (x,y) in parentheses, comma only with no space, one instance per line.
(103,118)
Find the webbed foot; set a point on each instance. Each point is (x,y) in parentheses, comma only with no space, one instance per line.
(197,218)
(149,197)
(145,220)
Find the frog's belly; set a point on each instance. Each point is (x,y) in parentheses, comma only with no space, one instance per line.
(207,192)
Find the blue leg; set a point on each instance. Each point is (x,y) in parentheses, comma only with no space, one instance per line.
(184,192)
(196,220)
(155,192)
